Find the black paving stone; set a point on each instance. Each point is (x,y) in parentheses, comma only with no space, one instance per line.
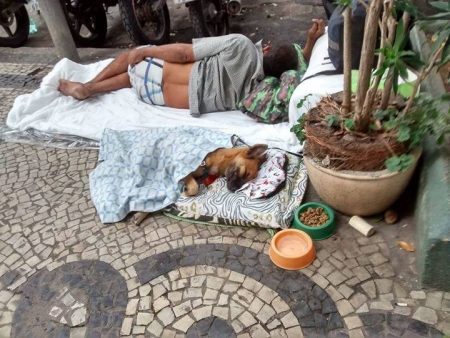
(88,277)
(334,321)
(376,330)
(211,327)
(370,319)
(418,327)
(319,292)
(315,304)
(396,321)
(328,306)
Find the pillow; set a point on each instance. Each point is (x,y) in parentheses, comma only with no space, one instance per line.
(268,102)
(216,205)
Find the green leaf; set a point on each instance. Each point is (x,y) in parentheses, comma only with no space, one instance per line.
(390,124)
(404,133)
(333,120)
(395,81)
(399,35)
(271,232)
(382,114)
(442,5)
(343,3)
(299,128)
(302,101)
(399,163)
(349,124)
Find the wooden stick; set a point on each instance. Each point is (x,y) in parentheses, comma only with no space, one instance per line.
(347,102)
(387,90)
(367,56)
(370,97)
(362,226)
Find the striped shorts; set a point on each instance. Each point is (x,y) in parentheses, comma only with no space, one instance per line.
(146,80)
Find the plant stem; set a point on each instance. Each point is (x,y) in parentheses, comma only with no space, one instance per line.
(367,56)
(371,94)
(423,74)
(387,90)
(347,100)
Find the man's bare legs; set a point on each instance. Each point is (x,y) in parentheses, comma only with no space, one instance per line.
(113,77)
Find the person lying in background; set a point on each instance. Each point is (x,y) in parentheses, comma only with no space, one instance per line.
(211,74)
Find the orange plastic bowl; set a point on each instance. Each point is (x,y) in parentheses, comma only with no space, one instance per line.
(292,249)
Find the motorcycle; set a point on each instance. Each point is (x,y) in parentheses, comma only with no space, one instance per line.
(208,17)
(14,22)
(146,21)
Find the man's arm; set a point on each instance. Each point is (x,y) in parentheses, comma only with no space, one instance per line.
(175,53)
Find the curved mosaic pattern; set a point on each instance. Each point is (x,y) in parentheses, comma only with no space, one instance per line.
(311,307)
(174,302)
(78,293)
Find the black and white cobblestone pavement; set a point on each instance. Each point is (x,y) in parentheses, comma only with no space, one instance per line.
(64,274)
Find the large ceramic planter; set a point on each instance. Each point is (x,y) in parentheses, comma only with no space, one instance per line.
(361,193)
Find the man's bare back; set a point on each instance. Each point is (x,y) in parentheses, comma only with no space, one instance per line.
(176,84)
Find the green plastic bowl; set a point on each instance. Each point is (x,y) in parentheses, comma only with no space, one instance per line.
(317,233)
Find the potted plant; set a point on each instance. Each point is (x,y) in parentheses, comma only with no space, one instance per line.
(361,149)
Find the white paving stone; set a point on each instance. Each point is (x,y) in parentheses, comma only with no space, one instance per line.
(294,332)
(160,303)
(144,290)
(126,326)
(221,312)
(155,328)
(184,323)
(426,315)
(144,318)
(247,319)
(166,316)
(289,320)
(265,313)
(145,303)
(182,308)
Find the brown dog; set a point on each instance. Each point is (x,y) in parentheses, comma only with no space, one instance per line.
(238,165)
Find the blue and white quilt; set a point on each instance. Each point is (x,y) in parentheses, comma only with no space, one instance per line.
(140,170)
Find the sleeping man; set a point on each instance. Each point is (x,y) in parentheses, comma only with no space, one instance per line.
(211,74)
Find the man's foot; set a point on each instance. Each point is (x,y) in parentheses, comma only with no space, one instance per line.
(75,89)
(317,30)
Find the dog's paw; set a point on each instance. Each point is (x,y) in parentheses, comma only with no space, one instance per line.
(190,191)
(190,186)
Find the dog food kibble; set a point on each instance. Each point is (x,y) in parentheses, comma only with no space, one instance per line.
(314,217)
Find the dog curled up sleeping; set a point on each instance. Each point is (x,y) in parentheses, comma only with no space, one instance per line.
(238,165)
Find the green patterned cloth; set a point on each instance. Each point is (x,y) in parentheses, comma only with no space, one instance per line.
(268,102)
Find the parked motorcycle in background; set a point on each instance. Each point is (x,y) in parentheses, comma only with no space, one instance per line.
(146,21)
(14,23)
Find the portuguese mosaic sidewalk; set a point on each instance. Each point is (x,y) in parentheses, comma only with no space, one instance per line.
(64,274)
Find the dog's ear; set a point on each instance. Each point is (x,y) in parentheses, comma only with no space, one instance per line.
(257,152)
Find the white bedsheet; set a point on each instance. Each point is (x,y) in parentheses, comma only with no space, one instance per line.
(47,110)
(313,88)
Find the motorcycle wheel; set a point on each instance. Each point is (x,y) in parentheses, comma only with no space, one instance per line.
(144,23)
(209,18)
(88,24)
(19,36)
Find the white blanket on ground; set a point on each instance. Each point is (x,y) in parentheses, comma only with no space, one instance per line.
(47,110)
